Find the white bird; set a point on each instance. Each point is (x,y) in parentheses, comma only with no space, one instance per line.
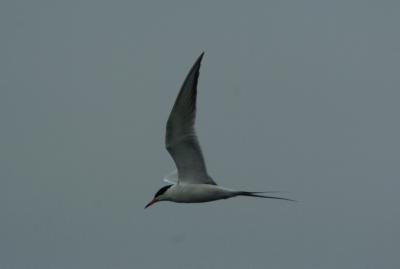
(191,183)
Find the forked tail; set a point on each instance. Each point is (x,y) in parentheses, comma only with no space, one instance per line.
(260,195)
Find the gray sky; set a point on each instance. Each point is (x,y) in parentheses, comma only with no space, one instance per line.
(300,96)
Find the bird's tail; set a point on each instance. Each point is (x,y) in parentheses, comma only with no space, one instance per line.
(260,195)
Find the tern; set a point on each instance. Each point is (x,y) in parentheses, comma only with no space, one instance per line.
(191,183)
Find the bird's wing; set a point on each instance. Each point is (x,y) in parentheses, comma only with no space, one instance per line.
(181,140)
(172,177)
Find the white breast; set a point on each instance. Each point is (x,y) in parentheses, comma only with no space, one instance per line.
(198,193)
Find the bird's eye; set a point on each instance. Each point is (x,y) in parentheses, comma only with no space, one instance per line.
(162,190)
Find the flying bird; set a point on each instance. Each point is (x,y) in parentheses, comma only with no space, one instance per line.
(191,183)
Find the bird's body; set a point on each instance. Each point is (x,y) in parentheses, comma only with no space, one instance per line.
(197,193)
(191,184)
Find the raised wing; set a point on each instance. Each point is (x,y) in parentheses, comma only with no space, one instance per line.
(172,177)
(181,140)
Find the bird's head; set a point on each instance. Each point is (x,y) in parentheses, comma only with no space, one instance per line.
(161,195)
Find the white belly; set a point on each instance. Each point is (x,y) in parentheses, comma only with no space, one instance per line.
(198,193)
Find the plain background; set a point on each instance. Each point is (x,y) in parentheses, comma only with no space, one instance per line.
(296,96)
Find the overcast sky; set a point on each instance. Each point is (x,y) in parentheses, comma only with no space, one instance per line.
(296,96)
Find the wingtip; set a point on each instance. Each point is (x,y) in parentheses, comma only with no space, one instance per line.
(200,57)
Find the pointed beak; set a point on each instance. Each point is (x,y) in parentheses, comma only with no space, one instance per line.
(151,202)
